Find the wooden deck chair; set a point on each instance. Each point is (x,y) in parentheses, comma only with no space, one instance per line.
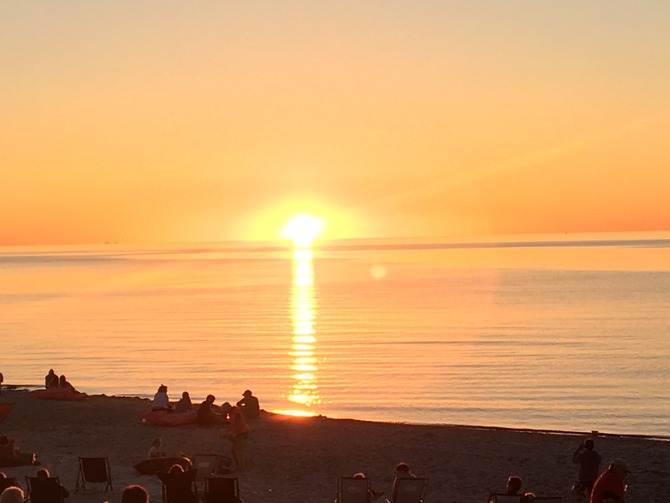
(548,499)
(209,465)
(179,487)
(221,489)
(45,490)
(410,490)
(353,490)
(8,482)
(505,498)
(94,470)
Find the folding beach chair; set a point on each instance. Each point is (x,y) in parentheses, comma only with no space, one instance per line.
(505,498)
(221,490)
(8,482)
(179,487)
(410,490)
(93,470)
(45,490)
(209,465)
(353,490)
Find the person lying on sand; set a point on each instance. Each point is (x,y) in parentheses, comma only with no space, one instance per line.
(11,455)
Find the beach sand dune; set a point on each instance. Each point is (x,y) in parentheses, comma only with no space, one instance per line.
(293,459)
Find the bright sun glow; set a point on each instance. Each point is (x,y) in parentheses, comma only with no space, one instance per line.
(302,229)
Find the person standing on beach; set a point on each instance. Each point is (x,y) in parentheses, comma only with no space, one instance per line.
(589,466)
(610,488)
(239,433)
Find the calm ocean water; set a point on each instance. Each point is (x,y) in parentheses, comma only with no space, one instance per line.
(569,333)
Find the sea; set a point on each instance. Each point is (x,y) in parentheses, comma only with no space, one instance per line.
(559,333)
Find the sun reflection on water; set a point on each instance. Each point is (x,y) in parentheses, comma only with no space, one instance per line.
(304,364)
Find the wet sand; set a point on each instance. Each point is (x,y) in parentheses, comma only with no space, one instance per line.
(293,459)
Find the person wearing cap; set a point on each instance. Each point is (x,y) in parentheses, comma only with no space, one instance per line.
(610,488)
(249,405)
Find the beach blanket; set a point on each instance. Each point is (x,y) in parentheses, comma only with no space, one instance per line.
(58,394)
(5,409)
(165,418)
(156,465)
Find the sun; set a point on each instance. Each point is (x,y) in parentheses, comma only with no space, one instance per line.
(302,229)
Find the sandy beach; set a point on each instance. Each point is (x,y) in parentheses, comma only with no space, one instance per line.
(293,459)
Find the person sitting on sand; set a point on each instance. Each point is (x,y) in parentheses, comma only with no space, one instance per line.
(44,474)
(10,452)
(239,433)
(184,405)
(156,449)
(64,384)
(249,405)
(134,493)
(207,414)
(12,494)
(51,380)
(7,446)
(161,399)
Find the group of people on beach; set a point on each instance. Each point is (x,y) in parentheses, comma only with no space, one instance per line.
(52,381)
(233,417)
(13,493)
(601,487)
(208,413)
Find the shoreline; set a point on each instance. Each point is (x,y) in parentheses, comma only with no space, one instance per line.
(660,437)
(299,458)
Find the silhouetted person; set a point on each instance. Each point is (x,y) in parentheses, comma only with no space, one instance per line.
(249,405)
(372,494)
(64,384)
(402,471)
(207,415)
(161,399)
(134,494)
(239,433)
(51,380)
(512,488)
(589,466)
(44,474)
(184,404)
(12,494)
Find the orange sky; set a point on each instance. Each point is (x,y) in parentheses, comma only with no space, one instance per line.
(182,121)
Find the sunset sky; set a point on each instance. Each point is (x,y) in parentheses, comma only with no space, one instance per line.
(201,121)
